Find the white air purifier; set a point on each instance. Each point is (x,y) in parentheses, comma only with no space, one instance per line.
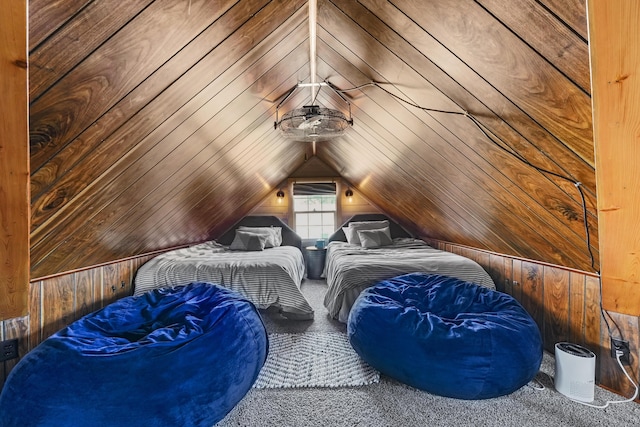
(575,371)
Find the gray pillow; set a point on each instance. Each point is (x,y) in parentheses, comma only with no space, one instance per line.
(247,241)
(375,238)
(352,230)
(274,234)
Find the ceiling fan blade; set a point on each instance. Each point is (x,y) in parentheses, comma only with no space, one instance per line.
(310,122)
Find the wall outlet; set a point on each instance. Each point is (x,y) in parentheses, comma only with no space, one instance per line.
(623,346)
(8,350)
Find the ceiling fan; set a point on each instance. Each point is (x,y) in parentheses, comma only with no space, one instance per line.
(312,122)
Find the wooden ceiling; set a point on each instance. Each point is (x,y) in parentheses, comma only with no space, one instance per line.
(151,121)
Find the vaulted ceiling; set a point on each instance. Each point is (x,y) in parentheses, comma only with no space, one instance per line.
(151,121)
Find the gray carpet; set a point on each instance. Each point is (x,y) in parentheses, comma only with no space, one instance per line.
(390,403)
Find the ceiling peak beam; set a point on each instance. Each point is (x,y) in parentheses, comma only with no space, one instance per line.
(313,26)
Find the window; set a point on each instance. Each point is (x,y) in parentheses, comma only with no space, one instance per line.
(314,209)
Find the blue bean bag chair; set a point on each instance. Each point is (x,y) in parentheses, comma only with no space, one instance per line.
(446,336)
(182,356)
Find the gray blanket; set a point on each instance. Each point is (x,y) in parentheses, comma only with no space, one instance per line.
(349,269)
(267,278)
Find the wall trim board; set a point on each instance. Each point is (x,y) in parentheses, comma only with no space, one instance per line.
(615,61)
(146,254)
(14,162)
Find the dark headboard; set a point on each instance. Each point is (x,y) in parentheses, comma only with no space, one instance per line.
(289,237)
(395,228)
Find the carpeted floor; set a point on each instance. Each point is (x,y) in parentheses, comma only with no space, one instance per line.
(389,403)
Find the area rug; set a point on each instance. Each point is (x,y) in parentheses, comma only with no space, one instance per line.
(313,359)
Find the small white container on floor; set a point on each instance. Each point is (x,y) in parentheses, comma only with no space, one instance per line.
(575,371)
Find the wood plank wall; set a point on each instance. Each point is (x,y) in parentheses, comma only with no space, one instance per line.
(565,304)
(58,301)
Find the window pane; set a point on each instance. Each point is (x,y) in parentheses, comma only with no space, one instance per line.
(315,203)
(328,203)
(315,218)
(315,215)
(300,203)
(327,231)
(302,219)
(303,231)
(315,232)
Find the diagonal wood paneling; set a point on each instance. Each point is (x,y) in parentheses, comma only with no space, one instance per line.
(156,129)
(478,179)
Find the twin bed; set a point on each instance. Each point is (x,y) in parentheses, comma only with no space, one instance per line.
(350,268)
(267,276)
(271,276)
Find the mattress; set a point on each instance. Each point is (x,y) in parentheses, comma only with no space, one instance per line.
(268,278)
(349,269)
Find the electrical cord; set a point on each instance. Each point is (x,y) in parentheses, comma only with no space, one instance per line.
(502,146)
(540,386)
(610,402)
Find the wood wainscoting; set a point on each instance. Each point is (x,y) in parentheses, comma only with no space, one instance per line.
(58,301)
(565,304)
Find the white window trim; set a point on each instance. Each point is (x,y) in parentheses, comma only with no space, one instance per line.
(339,188)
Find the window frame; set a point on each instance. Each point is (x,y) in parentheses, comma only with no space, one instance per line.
(292,211)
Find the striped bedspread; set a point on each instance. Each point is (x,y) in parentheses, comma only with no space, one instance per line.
(267,278)
(350,269)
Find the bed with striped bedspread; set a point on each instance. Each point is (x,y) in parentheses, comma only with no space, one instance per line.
(349,269)
(268,278)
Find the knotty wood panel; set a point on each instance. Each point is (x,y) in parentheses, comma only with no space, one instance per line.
(615,53)
(45,16)
(469,90)
(140,111)
(105,129)
(59,310)
(90,231)
(511,67)
(82,96)
(89,29)
(14,162)
(558,44)
(573,12)
(56,203)
(425,44)
(556,302)
(564,212)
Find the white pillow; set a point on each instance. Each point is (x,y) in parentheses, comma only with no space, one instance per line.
(375,238)
(274,234)
(246,241)
(352,234)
